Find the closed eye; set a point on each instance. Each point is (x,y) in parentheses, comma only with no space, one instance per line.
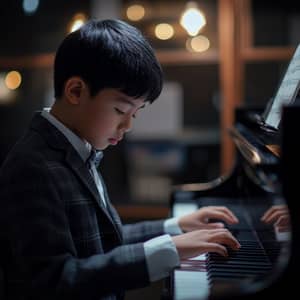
(120,112)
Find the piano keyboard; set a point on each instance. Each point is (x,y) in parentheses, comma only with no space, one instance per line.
(248,262)
(195,277)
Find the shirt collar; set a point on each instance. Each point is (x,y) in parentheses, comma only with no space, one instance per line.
(81,146)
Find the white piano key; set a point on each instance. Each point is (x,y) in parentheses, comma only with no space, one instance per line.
(190,285)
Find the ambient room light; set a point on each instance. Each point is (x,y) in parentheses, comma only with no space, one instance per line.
(192,19)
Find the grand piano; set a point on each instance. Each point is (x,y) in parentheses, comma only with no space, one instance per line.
(264,174)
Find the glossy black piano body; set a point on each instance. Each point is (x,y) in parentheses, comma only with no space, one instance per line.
(264,174)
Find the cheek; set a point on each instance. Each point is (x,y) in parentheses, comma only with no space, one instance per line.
(100,122)
(104,124)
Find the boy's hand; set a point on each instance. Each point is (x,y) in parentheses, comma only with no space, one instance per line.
(279,215)
(197,242)
(200,218)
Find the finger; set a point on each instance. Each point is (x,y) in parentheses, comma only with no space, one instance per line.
(221,215)
(217,230)
(282,224)
(226,238)
(274,216)
(214,225)
(271,211)
(227,214)
(215,247)
(267,214)
(283,221)
(232,242)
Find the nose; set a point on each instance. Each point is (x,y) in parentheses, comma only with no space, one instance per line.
(126,124)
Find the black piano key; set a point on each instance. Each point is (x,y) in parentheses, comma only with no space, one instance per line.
(251,253)
(253,260)
(238,266)
(238,262)
(229,271)
(249,261)
(237,275)
(238,258)
(246,254)
(251,256)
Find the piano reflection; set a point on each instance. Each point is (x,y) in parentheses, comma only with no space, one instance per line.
(263,176)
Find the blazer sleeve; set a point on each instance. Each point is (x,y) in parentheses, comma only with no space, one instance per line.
(43,262)
(142,231)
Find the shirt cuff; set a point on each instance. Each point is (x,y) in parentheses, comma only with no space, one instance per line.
(161,257)
(171,226)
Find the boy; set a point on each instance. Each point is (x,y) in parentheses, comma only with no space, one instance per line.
(64,238)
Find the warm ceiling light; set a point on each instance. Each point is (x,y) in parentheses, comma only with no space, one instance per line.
(77,21)
(192,19)
(13,80)
(135,12)
(198,43)
(164,31)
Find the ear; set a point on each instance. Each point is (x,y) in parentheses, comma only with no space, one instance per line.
(75,88)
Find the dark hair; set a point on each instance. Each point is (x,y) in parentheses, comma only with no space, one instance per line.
(109,54)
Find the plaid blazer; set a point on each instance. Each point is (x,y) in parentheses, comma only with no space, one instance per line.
(62,243)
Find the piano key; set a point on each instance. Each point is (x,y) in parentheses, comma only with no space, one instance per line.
(189,284)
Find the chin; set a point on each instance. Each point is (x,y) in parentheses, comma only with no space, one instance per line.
(102,147)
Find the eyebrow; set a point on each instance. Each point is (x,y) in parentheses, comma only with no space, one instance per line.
(123,99)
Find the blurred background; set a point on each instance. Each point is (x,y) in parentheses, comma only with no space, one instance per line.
(216,55)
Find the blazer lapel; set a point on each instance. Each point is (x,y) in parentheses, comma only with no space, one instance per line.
(81,170)
(78,166)
(114,215)
(57,140)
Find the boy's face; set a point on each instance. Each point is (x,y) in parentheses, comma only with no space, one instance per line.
(106,117)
